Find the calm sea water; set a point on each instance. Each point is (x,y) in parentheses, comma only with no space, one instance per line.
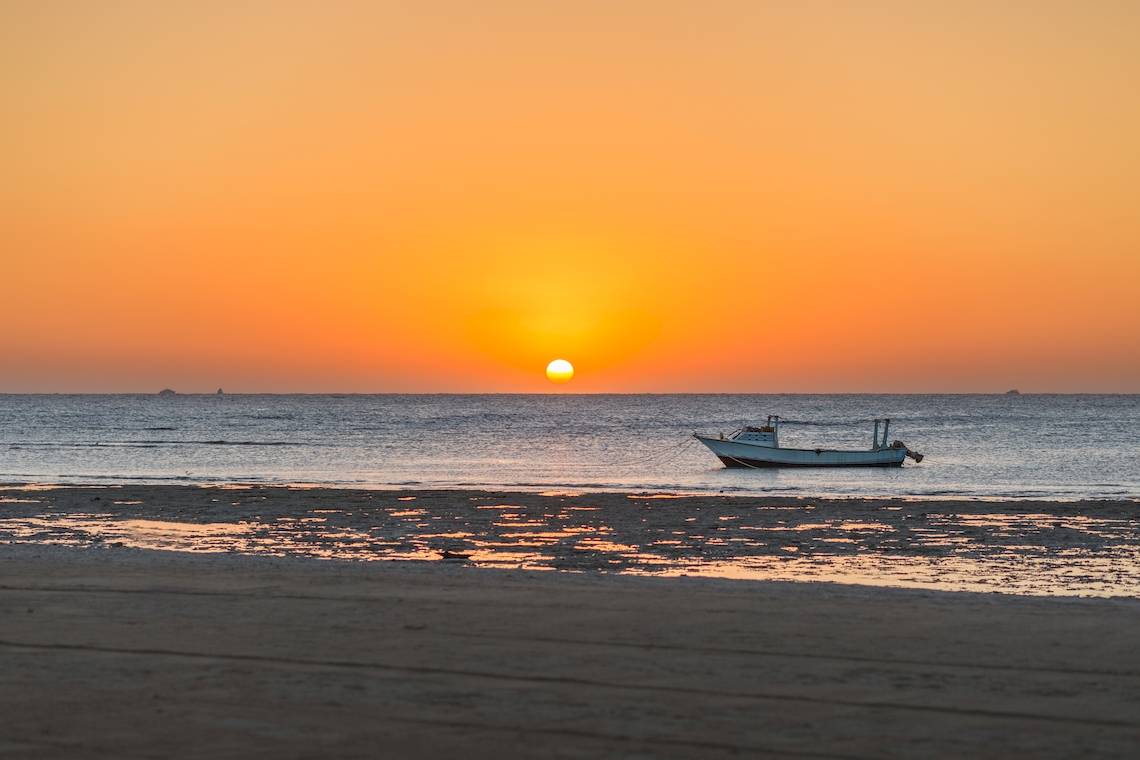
(1055,446)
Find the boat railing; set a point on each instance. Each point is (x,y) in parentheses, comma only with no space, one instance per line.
(880,441)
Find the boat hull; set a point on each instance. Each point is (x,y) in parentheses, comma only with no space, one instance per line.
(744,455)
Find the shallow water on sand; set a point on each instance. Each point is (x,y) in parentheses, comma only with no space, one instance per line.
(1038,548)
(1024,446)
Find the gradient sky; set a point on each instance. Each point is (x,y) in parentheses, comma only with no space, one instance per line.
(675,196)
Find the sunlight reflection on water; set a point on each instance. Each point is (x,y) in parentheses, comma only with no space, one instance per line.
(889,545)
(987,446)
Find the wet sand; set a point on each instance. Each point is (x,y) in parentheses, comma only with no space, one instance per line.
(112,651)
(1022,547)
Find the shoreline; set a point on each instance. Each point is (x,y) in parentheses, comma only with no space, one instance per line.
(1027,547)
(539,489)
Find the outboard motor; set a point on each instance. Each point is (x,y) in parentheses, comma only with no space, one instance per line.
(912,454)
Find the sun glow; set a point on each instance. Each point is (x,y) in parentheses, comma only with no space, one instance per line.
(559,371)
(427,204)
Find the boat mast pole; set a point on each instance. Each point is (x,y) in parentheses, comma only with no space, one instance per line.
(875,435)
(886,427)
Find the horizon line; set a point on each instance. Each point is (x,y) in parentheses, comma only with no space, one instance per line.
(575,393)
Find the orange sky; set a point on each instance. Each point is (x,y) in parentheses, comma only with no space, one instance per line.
(675,196)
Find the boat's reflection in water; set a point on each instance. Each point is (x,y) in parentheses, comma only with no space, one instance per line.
(912,545)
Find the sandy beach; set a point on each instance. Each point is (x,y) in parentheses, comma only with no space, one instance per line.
(128,653)
(110,650)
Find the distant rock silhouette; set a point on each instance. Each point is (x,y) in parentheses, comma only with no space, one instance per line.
(219,393)
(167,392)
(1014,392)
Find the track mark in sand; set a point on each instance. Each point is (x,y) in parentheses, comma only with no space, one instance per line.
(695,744)
(788,655)
(40,743)
(943,665)
(77,748)
(569,681)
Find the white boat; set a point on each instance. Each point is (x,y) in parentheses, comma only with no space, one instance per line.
(760,447)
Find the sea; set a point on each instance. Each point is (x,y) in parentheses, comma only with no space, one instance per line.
(1056,447)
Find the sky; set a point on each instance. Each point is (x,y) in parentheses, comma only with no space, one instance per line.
(440,196)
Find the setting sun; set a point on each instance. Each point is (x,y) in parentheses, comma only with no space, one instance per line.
(559,371)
